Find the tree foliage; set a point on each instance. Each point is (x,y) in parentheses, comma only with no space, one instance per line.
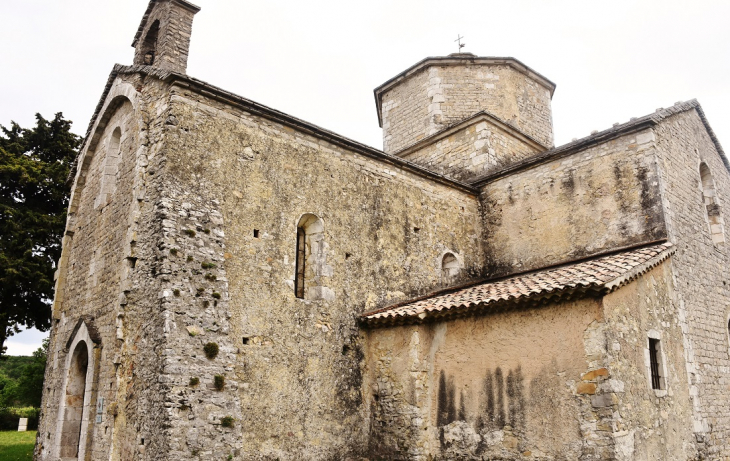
(21,379)
(34,166)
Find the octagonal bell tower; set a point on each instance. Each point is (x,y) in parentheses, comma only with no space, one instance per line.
(463,115)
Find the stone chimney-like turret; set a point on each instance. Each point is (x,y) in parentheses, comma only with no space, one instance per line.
(163,37)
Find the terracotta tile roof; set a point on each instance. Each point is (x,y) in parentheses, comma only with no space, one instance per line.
(597,276)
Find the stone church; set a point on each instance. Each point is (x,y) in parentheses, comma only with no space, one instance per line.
(237,283)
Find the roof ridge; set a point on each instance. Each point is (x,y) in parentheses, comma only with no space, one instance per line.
(464,123)
(634,124)
(278,116)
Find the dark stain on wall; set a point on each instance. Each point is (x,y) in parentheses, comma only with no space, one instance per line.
(568,183)
(501,402)
(516,399)
(499,388)
(446,401)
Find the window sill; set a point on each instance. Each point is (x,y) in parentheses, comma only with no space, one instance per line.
(660,392)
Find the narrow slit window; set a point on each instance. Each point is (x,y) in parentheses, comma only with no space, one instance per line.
(654,360)
(301,261)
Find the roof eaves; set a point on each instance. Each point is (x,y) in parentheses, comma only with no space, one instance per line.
(271,114)
(567,293)
(572,147)
(390,315)
(641,269)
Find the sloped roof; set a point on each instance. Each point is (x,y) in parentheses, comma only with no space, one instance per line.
(596,276)
(633,125)
(255,108)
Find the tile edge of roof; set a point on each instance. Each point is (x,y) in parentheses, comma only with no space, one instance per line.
(602,288)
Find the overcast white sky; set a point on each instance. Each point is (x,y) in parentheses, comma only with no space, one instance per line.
(319,60)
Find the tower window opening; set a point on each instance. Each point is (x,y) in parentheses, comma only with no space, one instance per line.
(149,46)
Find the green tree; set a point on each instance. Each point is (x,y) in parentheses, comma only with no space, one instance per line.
(34,167)
(31,381)
(21,379)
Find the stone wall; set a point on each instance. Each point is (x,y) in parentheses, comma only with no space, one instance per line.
(643,423)
(90,270)
(701,270)
(500,386)
(569,380)
(440,95)
(474,149)
(599,199)
(236,188)
(109,276)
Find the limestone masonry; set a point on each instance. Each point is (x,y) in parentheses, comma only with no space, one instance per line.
(240,284)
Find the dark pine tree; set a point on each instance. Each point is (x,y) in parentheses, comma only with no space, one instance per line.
(34,167)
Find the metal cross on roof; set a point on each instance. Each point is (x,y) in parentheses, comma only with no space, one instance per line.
(458,39)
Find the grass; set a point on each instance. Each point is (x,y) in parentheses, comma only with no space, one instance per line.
(17,446)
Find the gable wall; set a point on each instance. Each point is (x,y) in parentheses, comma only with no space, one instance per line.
(646,424)
(701,271)
(108,273)
(473,151)
(599,199)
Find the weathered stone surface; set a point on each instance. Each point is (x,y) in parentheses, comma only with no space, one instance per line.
(601,198)
(205,338)
(594,374)
(448,90)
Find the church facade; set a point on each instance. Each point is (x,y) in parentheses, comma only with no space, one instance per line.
(237,283)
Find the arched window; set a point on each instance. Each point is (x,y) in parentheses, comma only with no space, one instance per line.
(712,208)
(149,46)
(110,169)
(449,268)
(311,267)
(73,409)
